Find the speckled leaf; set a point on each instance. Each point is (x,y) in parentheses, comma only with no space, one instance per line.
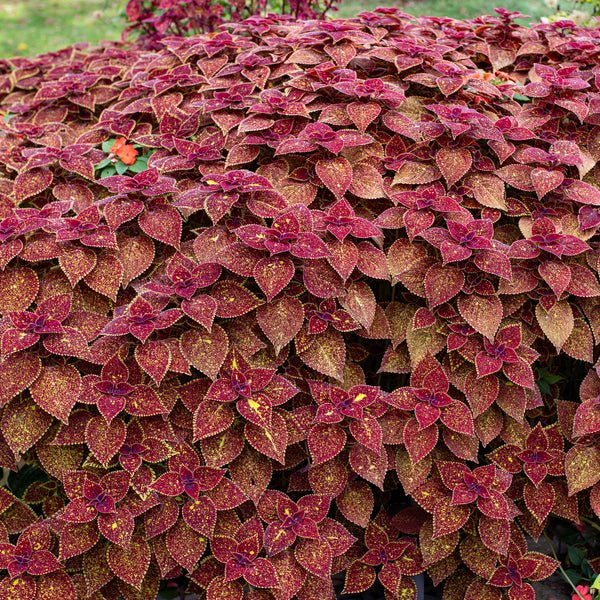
(419,442)
(55,585)
(107,276)
(325,441)
(76,262)
(130,565)
(31,182)
(104,440)
(483,313)
(343,257)
(202,309)
(17,373)
(356,502)
(56,460)
(580,344)
(448,518)
(545,180)
(360,302)
(327,354)
(23,424)
(488,189)
(494,533)
(136,255)
(359,578)
(315,556)
(338,537)
(56,390)
(442,284)
(557,323)
(328,478)
(582,468)
(539,500)
(336,173)
(18,288)
(271,442)
(233,299)
(368,464)
(76,538)
(200,515)
(556,274)
(363,113)
(280,320)
(19,588)
(219,589)
(272,274)
(163,223)
(211,417)
(321,280)
(366,181)
(453,163)
(154,357)
(185,545)
(257,409)
(117,527)
(205,350)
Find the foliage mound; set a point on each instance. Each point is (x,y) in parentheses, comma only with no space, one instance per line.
(298,299)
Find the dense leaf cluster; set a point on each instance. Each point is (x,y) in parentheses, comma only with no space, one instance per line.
(305,339)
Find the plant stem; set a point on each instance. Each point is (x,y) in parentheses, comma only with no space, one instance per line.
(562,571)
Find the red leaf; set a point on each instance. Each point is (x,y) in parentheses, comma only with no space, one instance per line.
(442,284)
(76,262)
(202,309)
(117,527)
(336,173)
(359,578)
(219,589)
(107,276)
(130,565)
(56,390)
(453,163)
(233,299)
(273,441)
(19,588)
(185,544)
(104,440)
(154,358)
(419,442)
(369,465)
(17,373)
(483,313)
(272,274)
(315,556)
(163,223)
(557,323)
(325,441)
(539,500)
(55,585)
(326,354)
(31,182)
(23,424)
(280,320)
(205,350)
(18,288)
(356,502)
(136,255)
(448,518)
(360,302)
(582,468)
(210,418)
(200,515)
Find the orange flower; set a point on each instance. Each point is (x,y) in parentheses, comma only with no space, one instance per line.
(127,154)
(119,143)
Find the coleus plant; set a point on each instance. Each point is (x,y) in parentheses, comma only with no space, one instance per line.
(344,321)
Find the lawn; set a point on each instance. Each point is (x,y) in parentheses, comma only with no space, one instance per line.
(30,27)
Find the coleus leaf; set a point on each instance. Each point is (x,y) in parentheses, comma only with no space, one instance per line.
(272,274)
(18,287)
(185,544)
(356,502)
(130,565)
(56,390)
(326,354)
(483,313)
(205,350)
(104,440)
(336,173)
(315,556)
(17,373)
(280,320)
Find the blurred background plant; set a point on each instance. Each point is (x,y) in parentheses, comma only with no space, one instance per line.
(584,12)
(30,27)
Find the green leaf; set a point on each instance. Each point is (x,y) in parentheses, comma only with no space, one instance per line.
(596,584)
(121,167)
(108,171)
(576,555)
(106,146)
(103,164)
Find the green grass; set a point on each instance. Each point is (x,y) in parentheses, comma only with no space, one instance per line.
(30,27)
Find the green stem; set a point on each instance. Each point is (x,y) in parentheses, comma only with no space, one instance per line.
(590,522)
(562,571)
